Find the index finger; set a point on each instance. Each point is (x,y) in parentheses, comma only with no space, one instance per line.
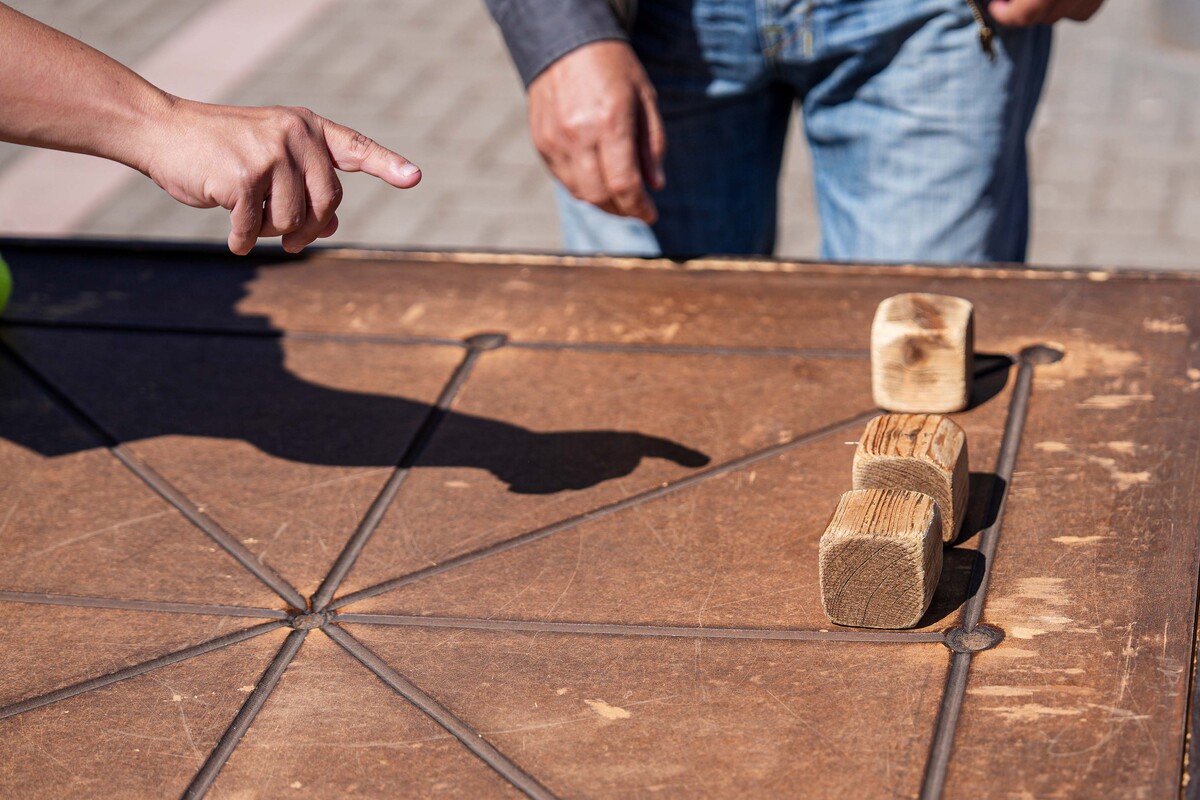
(355,152)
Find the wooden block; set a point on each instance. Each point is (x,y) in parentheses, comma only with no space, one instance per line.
(922,353)
(926,453)
(880,558)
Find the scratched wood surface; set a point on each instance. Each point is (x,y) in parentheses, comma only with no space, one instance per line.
(581,561)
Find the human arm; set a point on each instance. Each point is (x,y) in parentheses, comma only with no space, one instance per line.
(272,168)
(1019,13)
(593,114)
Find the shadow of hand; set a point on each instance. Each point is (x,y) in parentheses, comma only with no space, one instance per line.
(545,463)
(237,387)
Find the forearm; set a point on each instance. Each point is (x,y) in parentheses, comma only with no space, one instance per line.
(58,92)
(539,32)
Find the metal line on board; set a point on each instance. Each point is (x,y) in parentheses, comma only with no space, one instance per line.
(610,629)
(86,601)
(245,717)
(954,694)
(471,738)
(383,501)
(136,670)
(605,510)
(160,485)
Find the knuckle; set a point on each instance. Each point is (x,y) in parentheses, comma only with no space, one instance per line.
(279,151)
(325,204)
(625,186)
(612,116)
(245,176)
(332,198)
(360,143)
(542,141)
(550,144)
(579,126)
(294,116)
(292,120)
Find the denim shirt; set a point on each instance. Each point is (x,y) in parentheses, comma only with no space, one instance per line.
(539,32)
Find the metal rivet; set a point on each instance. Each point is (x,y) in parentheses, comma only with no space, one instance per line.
(976,640)
(1041,354)
(487,341)
(312,621)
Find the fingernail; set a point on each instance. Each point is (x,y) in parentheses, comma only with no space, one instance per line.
(408,170)
(660,177)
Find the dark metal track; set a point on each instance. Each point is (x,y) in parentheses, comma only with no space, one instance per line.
(245,716)
(354,547)
(440,714)
(136,670)
(605,510)
(160,485)
(608,629)
(960,664)
(84,601)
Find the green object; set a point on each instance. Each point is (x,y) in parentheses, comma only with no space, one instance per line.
(5,283)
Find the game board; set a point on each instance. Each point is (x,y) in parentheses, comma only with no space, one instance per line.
(361,524)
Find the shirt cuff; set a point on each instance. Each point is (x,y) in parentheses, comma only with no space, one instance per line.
(540,33)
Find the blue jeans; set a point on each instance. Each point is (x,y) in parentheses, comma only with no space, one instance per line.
(917,138)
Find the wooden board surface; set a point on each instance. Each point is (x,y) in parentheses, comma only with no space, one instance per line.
(580,558)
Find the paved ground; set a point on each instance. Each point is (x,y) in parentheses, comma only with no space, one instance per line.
(1116,145)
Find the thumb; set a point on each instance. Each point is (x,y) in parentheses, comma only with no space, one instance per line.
(652,143)
(352,151)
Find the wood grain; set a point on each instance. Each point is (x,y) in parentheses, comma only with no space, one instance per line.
(1093,581)
(881,558)
(922,353)
(614,718)
(920,452)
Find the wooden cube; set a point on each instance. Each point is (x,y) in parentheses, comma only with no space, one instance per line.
(926,453)
(922,353)
(880,558)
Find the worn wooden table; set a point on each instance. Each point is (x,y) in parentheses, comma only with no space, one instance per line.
(406,525)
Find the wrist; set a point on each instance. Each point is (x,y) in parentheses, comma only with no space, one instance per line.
(148,129)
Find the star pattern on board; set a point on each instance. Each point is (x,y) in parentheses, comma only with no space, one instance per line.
(327,613)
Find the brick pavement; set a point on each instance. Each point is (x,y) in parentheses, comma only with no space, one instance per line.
(1116,144)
